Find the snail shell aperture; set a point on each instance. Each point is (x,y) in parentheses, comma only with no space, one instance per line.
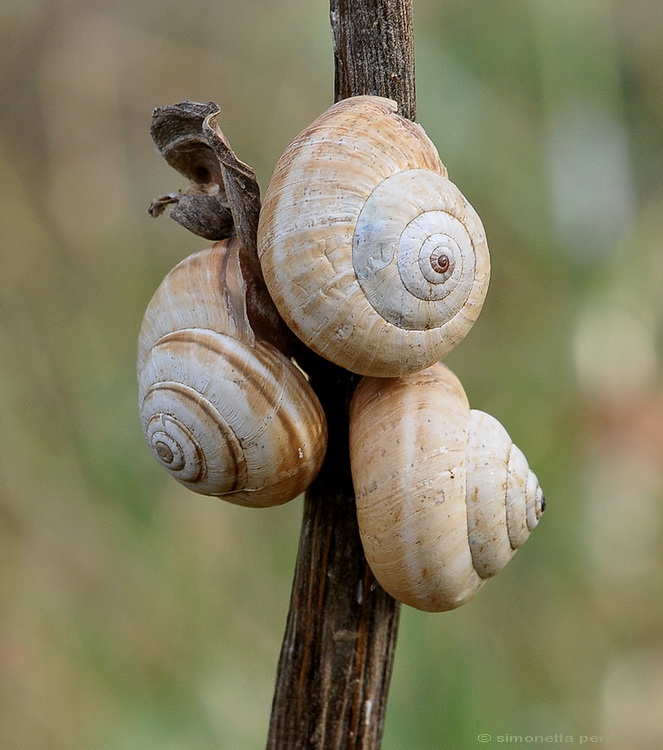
(372,256)
(444,498)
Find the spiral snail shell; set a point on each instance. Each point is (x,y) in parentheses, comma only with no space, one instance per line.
(444,498)
(223,410)
(372,256)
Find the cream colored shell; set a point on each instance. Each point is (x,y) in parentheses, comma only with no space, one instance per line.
(444,498)
(372,256)
(225,413)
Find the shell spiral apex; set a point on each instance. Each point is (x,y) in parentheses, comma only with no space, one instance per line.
(372,256)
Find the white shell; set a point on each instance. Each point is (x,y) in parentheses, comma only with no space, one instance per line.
(372,256)
(227,414)
(205,290)
(444,498)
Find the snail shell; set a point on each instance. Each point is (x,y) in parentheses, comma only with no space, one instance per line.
(226,413)
(444,498)
(372,256)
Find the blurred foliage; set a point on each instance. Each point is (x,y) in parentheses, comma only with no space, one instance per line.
(136,616)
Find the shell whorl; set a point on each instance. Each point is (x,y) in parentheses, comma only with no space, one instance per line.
(225,413)
(444,498)
(206,290)
(372,256)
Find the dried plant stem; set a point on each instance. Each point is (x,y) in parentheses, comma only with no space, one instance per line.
(337,654)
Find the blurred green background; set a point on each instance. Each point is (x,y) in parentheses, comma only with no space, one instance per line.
(135,615)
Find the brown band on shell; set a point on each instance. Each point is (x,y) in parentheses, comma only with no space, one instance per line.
(440,263)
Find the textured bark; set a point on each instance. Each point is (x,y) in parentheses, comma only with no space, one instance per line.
(374,50)
(337,654)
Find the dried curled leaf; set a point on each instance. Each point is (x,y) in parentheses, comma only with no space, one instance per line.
(221,201)
(223,197)
(241,186)
(200,212)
